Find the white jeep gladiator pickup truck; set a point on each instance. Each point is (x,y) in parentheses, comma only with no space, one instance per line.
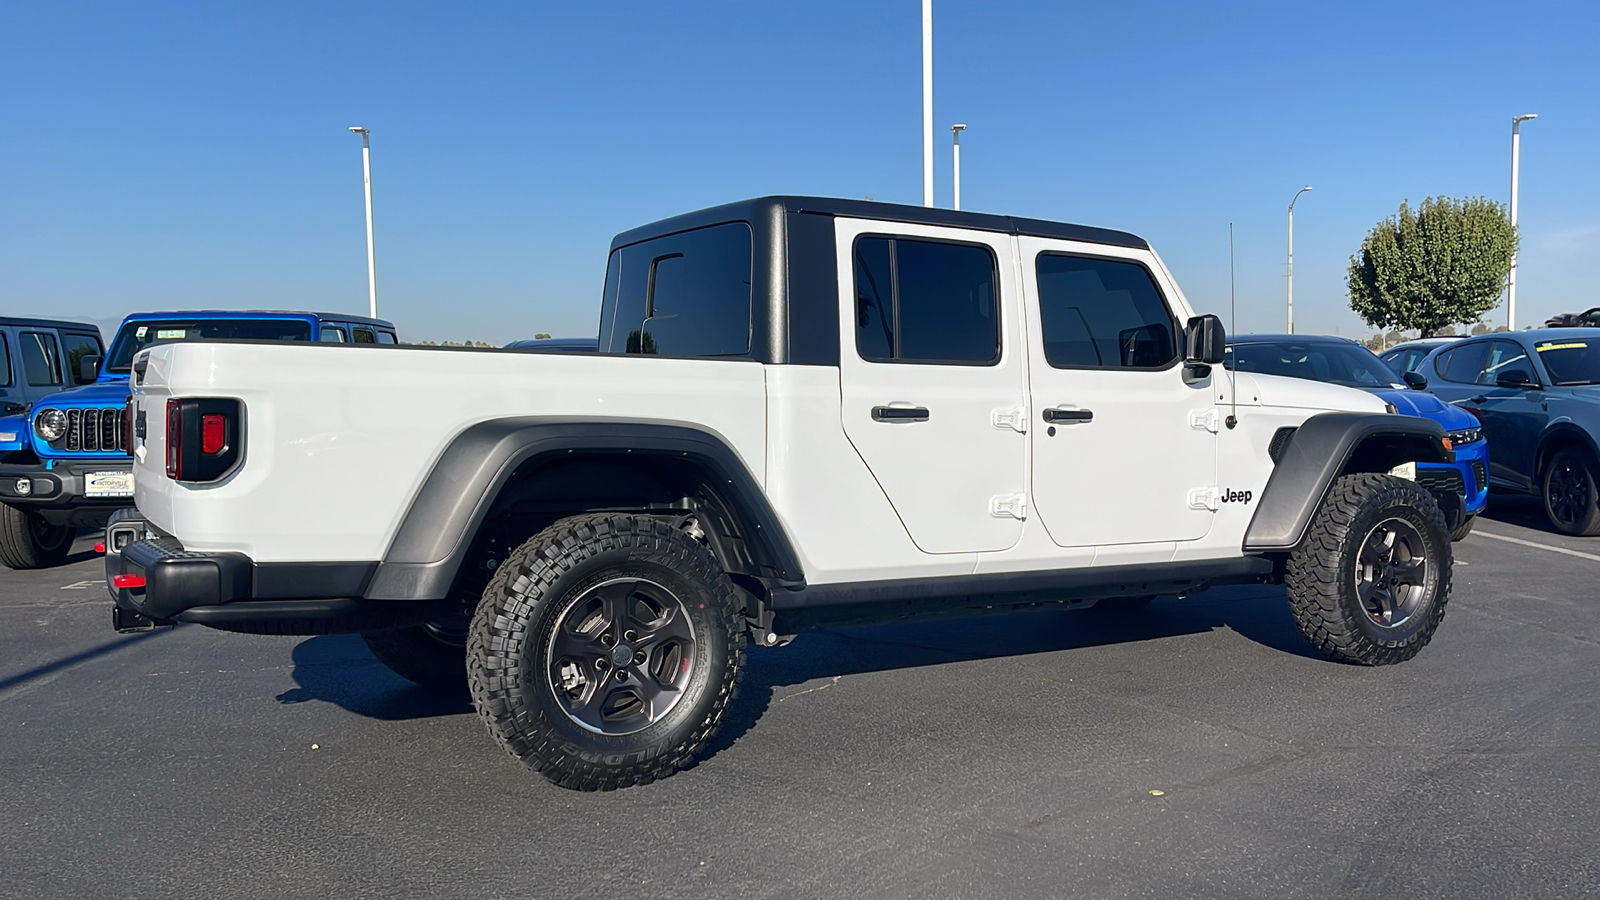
(803,410)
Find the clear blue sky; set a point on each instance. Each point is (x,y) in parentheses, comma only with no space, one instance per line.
(184,155)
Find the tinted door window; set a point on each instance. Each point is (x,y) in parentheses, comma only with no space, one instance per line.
(1103,314)
(385,337)
(77,346)
(362,335)
(926,302)
(1461,364)
(1505,356)
(682,295)
(5,362)
(41,358)
(332,334)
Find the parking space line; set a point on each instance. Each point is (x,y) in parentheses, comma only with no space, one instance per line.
(1512,540)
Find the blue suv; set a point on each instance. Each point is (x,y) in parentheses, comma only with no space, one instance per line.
(64,461)
(1461,488)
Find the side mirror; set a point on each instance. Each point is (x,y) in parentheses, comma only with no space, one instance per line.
(1414,380)
(1517,379)
(88,369)
(1204,341)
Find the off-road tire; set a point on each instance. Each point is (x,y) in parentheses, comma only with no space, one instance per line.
(515,690)
(1322,572)
(1465,528)
(28,542)
(1575,467)
(434,656)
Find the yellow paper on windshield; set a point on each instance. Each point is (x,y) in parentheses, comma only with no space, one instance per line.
(1571,345)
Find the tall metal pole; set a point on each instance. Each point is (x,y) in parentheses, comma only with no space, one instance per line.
(955,137)
(927,102)
(1511,277)
(1291,256)
(366,177)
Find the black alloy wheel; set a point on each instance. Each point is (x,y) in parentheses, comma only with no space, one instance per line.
(1392,573)
(1570,494)
(620,654)
(27,541)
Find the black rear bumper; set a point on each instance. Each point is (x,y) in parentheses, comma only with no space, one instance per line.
(231,592)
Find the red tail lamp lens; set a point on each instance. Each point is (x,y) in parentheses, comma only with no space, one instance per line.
(175,439)
(213,434)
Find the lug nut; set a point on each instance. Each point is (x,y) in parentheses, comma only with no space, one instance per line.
(630,635)
(601,664)
(638,658)
(607,639)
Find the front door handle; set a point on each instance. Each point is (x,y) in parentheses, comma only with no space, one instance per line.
(1069,415)
(899,414)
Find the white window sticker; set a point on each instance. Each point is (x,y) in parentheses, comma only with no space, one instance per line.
(175,334)
(140,333)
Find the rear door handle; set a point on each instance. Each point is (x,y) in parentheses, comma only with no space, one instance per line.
(1069,415)
(899,414)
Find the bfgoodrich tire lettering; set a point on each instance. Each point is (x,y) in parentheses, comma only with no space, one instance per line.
(1370,581)
(530,678)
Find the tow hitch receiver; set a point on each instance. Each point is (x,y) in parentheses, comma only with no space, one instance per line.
(128,622)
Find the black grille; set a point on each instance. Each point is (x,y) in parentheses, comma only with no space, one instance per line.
(1280,442)
(94,431)
(1441,481)
(1480,474)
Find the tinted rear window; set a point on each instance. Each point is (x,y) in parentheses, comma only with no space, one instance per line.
(681,295)
(136,336)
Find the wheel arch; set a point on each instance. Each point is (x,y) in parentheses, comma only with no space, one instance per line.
(1324,447)
(1557,437)
(533,469)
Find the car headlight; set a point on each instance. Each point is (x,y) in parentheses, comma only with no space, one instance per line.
(51,424)
(1465,436)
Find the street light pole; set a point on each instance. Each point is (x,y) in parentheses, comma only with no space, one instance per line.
(927,102)
(1511,277)
(366,177)
(1291,256)
(955,137)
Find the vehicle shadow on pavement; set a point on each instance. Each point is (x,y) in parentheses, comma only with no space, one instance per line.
(338,669)
(1258,613)
(1517,509)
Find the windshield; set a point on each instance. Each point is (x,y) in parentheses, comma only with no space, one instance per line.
(1333,362)
(1570,362)
(136,336)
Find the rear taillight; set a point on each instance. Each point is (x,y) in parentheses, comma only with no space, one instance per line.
(203,438)
(213,434)
(175,440)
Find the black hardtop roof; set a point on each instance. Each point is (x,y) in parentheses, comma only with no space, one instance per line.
(234,313)
(18,321)
(763,209)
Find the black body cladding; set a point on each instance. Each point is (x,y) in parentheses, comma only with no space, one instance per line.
(1322,448)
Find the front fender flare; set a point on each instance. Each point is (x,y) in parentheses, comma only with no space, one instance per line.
(1319,451)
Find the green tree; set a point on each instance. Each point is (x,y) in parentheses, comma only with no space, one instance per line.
(1437,266)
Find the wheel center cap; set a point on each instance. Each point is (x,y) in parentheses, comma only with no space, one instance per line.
(621,655)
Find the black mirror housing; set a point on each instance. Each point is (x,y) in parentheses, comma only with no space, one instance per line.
(1414,380)
(1517,379)
(1204,341)
(88,369)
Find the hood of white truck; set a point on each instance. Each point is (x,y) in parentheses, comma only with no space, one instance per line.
(1297,393)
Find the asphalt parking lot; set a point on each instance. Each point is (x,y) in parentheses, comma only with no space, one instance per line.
(1192,749)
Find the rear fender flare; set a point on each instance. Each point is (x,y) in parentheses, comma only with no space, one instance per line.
(437,530)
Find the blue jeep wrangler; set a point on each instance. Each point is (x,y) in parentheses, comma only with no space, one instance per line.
(64,462)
